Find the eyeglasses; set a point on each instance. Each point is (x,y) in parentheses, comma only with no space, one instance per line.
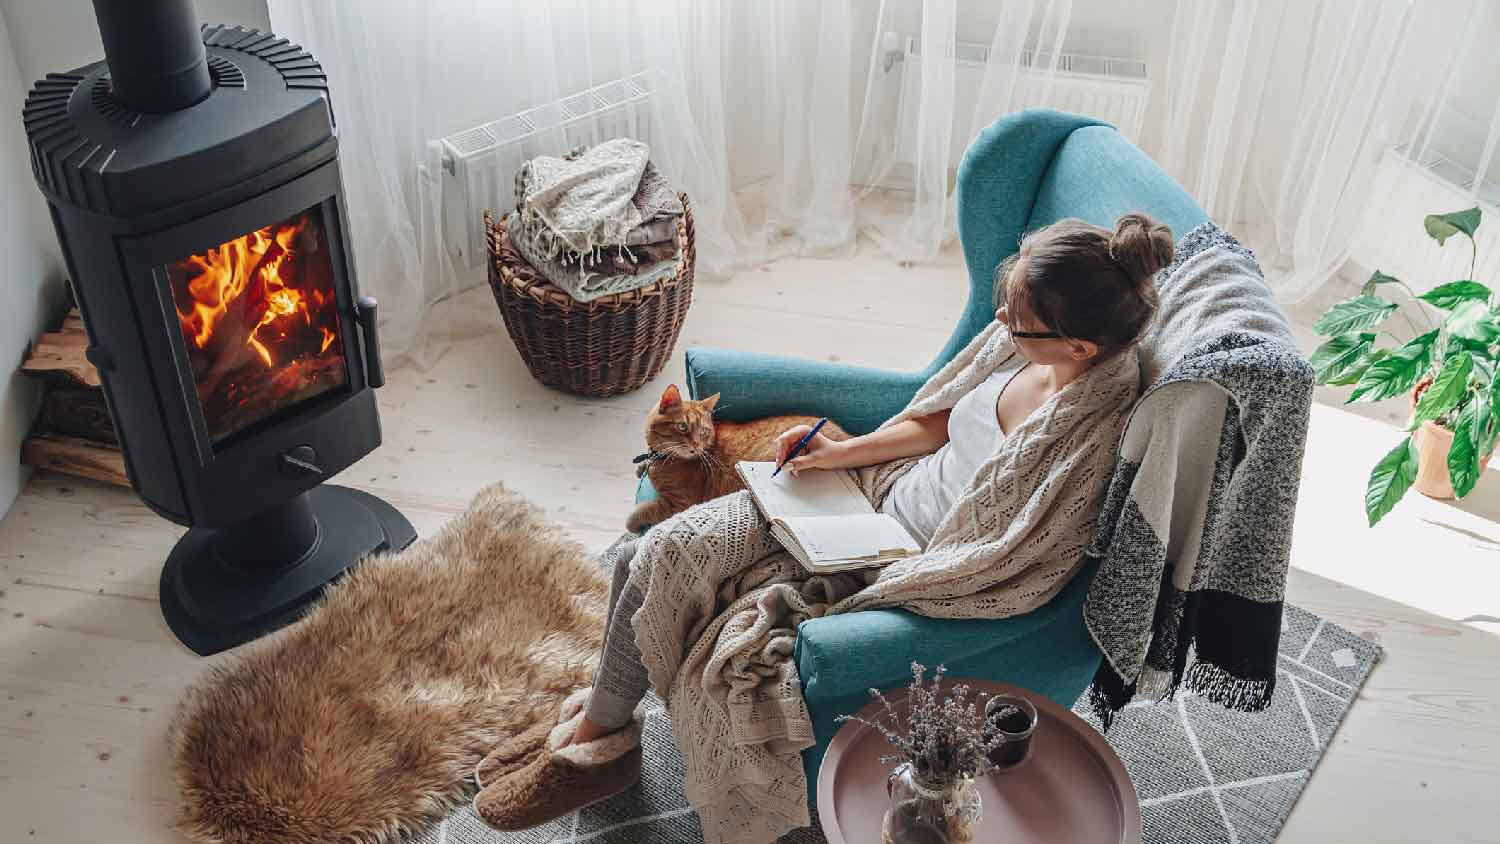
(1029,335)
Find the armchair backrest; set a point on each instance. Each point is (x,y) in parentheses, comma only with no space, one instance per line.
(1039,166)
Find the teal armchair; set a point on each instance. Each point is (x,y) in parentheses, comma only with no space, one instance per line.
(1023,172)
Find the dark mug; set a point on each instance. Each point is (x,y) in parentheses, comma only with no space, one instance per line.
(1015,718)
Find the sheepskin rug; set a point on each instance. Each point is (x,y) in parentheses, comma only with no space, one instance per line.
(363,722)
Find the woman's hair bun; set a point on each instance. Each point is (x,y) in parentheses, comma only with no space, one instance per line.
(1142,246)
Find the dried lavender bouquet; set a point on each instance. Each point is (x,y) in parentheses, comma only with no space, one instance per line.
(947,736)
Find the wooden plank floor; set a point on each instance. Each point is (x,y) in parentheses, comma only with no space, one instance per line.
(89,673)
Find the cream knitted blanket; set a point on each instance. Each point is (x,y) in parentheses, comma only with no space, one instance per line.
(722,600)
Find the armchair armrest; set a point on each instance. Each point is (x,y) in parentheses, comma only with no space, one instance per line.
(755,385)
(849,653)
(840,657)
(845,655)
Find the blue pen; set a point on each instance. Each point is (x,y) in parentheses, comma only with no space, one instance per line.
(801,444)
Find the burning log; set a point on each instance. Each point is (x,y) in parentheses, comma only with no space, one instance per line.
(251,399)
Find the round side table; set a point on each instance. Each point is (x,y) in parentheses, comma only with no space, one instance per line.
(1070,789)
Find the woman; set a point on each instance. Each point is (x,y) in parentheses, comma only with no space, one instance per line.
(998,466)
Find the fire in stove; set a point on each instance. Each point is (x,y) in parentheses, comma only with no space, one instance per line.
(260,320)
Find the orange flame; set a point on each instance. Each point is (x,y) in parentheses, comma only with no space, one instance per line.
(226,272)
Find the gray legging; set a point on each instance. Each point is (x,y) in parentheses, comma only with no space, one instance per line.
(621,680)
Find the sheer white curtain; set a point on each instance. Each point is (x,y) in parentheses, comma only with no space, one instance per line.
(775,117)
(1449,161)
(403,75)
(796,127)
(1275,114)
(917,157)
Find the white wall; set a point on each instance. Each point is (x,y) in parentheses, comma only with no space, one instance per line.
(31,288)
(59,35)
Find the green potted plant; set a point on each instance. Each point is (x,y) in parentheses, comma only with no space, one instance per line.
(1448,371)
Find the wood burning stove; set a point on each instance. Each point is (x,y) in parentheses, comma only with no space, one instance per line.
(193,180)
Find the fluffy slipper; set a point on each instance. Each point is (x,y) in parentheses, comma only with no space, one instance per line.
(513,753)
(563,777)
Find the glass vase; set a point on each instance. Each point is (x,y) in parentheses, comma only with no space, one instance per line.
(922,812)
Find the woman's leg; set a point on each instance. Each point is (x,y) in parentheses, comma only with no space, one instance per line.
(615,702)
(557,779)
(679,572)
(620,680)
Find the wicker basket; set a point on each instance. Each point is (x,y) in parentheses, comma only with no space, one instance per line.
(609,346)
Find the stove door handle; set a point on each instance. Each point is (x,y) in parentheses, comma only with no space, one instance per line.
(364,314)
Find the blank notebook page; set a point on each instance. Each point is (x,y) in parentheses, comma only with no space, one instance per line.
(816,492)
(849,537)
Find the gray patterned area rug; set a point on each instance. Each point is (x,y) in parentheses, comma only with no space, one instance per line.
(1204,775)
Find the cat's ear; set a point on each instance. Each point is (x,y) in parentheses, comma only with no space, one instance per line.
(708,403)
(670,398)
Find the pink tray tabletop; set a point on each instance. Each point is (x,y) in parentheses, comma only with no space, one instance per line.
(1071,789)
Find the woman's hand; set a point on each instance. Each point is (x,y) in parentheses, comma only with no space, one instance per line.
(819,453)
(912,438)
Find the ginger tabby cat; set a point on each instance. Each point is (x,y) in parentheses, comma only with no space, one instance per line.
(691,456)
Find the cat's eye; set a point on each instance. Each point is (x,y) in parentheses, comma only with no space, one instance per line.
(683,427)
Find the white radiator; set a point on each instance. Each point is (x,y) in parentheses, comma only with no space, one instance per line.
(1110,89)
(1391,237)
(479,164)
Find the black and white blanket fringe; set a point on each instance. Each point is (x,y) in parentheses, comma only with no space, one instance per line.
(1219,432)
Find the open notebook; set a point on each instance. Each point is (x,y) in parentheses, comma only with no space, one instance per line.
(824,520)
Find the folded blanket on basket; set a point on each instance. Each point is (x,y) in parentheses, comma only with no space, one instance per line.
(577,280)
(627,260)
(607,195)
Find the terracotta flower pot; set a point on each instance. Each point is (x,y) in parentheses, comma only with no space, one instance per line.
(1433,442)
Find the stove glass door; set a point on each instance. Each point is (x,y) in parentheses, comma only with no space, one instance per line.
(260,320)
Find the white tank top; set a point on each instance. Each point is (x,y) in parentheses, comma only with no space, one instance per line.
(924,495)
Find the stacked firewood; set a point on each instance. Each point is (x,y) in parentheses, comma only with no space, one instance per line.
(73,433)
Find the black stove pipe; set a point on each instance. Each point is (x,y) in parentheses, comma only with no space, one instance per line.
(154,50)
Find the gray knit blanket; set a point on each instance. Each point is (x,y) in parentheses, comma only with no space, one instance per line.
(592,198)
(1195,536)
(575,276)
(570,209)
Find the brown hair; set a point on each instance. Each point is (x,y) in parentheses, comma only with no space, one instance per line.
(1086,282)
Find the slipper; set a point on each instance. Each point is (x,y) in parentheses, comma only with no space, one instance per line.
(513,753)
(563,778)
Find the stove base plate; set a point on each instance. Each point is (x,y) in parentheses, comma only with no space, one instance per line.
(213,602)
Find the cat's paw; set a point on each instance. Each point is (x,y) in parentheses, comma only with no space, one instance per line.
(638,521)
